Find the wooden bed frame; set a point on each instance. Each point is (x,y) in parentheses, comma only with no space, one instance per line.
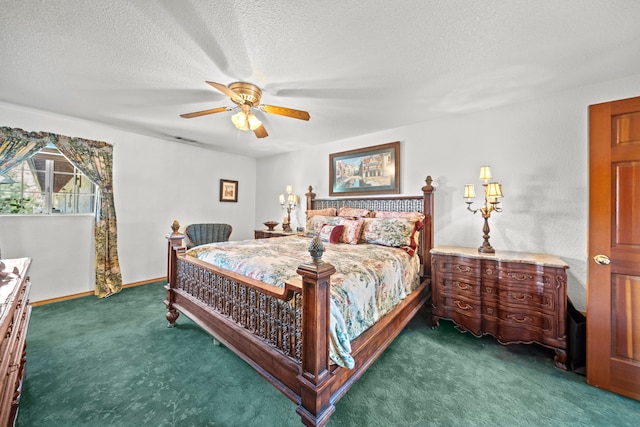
(284,332)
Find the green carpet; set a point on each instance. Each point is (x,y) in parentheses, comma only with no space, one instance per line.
(113,362)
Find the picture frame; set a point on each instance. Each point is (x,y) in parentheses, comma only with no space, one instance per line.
(371,170)
(228,190)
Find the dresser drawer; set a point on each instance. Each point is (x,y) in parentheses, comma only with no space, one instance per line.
(460,285)
(466,313)
(520,324)
(536,277)
(458,266)
(523,296)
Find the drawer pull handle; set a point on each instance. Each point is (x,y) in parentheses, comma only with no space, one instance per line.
(463,268)
(462,305)
(463,286)
(519,319)
(519,276)
(522,297)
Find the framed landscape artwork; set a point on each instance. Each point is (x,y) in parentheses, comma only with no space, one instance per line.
(370,170)
(228,190)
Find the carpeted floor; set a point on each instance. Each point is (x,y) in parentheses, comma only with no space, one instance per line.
(113,362)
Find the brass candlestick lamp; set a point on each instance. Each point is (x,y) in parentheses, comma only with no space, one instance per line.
(492,192)
(289,203)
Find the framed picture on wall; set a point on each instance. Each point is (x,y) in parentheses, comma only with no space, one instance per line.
(228,190)
(370,170)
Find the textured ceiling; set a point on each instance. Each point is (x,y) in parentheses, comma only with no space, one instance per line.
(356,66)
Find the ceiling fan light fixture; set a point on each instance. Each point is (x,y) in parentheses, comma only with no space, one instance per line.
(244,121)
(247,96)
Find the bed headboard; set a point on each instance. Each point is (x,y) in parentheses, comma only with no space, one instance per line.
(398,203)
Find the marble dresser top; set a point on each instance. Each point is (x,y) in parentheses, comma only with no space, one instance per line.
(510,256)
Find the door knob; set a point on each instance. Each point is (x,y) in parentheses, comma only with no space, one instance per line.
(602,259)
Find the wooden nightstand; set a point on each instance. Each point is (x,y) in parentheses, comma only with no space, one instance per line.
(516,297)
(266,234)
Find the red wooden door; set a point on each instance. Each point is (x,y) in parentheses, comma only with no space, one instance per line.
(613,291)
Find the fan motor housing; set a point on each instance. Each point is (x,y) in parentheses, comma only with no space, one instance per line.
(251,94)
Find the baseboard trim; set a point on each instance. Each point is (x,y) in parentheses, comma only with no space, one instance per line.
(86,294)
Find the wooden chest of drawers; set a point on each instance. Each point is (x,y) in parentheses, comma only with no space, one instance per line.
(515,297)
(14,318)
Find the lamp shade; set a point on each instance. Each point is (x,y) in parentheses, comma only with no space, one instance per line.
(469,191)
(485,173)
(494,190)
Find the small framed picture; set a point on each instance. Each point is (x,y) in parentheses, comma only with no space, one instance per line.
(228,190)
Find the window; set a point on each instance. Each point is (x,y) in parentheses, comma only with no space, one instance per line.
(46,183)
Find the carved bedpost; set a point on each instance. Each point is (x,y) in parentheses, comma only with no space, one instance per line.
(427,238)
(174,246)
(315,406)
(310,196)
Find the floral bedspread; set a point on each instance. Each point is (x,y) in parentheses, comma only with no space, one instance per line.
(369,280)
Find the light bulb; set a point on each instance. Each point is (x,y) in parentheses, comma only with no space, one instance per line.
(240,121)
(254,123)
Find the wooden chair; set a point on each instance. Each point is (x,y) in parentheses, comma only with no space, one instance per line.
(200,234)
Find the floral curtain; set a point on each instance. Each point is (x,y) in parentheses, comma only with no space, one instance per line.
(17,145)
(95,160)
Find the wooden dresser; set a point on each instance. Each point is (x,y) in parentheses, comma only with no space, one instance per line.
(14,318)
(516,297)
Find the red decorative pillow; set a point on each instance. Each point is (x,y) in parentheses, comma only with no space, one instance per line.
(331,233)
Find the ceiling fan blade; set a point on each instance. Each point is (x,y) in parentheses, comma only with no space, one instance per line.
(289,112)
(261,132)
(224,89)
(204,112)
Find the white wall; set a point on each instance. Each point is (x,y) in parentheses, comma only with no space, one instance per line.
(155,182)
(61,249)
(538,150)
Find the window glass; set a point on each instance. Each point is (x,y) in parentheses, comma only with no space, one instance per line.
(46,183)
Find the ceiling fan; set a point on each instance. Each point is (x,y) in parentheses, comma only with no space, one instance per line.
(247,96)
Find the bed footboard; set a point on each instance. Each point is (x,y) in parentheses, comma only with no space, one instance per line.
(282,333)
